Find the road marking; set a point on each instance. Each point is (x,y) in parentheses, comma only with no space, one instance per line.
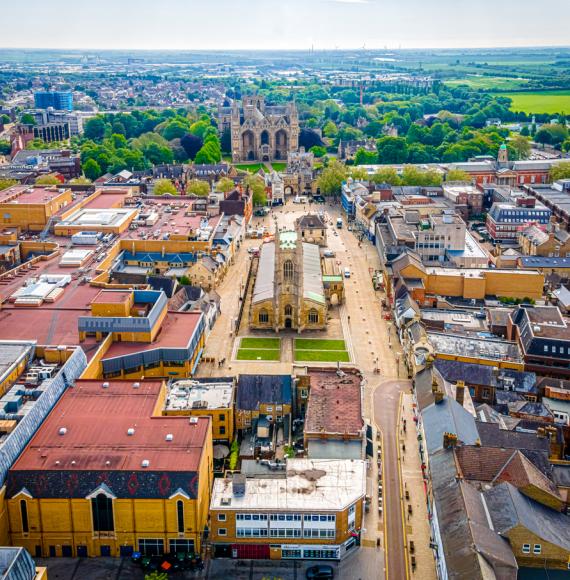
(401,477)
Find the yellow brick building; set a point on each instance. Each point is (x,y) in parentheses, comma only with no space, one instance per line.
(110,477)
(31,207)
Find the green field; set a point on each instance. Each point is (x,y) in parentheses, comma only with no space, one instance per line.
(319,344)
(486,83)
(258,354)
(322,356)
(251,167)
(540,101)
(278,166)
(320,350)
(265,343)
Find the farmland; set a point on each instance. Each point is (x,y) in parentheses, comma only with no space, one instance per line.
(540,101)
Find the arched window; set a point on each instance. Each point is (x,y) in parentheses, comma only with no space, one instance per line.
(102,508)
(288,270)
(24,514)
(288,310)
(263,316)
(265,138)
(180,515)
(313,316)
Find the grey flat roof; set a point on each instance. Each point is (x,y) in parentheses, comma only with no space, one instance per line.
(312,277)
(10,355)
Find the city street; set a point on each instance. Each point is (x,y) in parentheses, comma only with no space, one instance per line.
(373,343)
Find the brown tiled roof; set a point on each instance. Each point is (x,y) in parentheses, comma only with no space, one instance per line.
(496,465)
(334,404)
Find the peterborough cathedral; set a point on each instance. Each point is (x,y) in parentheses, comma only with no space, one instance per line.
(260,132)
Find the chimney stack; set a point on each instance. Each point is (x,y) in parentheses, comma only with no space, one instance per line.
(437,394)
(449,440)
(460,392)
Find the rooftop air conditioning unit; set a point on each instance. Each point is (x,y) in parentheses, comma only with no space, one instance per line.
(145,463)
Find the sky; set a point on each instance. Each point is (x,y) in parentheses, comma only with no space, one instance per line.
(284,24)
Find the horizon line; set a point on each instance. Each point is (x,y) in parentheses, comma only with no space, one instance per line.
(304,49)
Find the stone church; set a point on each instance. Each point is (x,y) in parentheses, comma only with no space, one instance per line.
(288,292)
(261,132)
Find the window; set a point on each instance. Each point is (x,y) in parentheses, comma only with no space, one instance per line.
(526,549)
(288,270)
(222,517)
(288,310)
(180,515)
(175,546)
(269,408)
(151,547)
(222,532)
(263,316)
(222,430)
(222,416)
(102,510)
(304,393)
(24,514)
(313,316)
(537,549)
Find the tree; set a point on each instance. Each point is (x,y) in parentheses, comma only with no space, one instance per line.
(457,175)
(520,147)
(364,157)
(156,575)
(225,185)
(386,175)
(330,180)
(330,129)
(560,171)
(198,187)
(392,150)
(257,187)
(47,180)
(192,144)
(309,138)
(162,186)
(411,175)
(6,183)
(27,119)
(158,154)
(5,148)
(318,151)
(94,129)
(525,131)
(358,173)
(80,181)
(92,169)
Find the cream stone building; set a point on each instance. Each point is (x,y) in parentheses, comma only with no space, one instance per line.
(288,292)
(261,132)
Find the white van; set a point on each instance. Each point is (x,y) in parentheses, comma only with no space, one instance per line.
(347,272)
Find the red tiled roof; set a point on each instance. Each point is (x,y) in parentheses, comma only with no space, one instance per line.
(97,419)
(334,403)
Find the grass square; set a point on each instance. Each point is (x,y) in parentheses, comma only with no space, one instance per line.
(322,356)
(319,344)
(258,354)
(260,342)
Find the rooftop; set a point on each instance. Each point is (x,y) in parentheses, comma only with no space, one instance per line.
(26,194)
(334,403)
(89,429)
(475,347)
(308,484)
(199,394)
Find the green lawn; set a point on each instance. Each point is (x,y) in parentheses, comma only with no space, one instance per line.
(258,354)
(319,344)
(266,343)
(278,166)
(252,167)
(322,356)
(487,82)
(540,101)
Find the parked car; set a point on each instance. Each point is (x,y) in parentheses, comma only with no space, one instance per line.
(319,199)
(322,571)
(328,254)
(347,272)
(254,251)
